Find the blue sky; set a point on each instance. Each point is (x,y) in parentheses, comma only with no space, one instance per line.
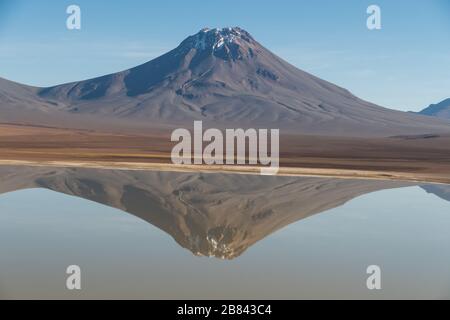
(405,66)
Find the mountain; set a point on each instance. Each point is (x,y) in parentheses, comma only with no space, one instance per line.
(441,109)
(440,190)
(225,78)
(218,215)
(20,103)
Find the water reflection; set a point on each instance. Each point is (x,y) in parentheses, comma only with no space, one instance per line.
(218,215)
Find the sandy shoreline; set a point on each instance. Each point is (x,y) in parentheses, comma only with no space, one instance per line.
(253,170)
(412,159)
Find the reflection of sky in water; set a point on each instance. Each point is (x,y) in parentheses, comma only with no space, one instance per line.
(405,231)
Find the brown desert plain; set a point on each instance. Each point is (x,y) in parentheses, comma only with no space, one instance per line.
(226,79)
(421,158)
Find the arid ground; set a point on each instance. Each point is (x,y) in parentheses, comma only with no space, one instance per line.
(409,158)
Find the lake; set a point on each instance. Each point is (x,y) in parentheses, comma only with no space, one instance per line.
(164,235)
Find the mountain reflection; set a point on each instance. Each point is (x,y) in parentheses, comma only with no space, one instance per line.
(219,215)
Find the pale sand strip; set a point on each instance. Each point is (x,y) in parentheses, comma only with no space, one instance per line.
(283,171)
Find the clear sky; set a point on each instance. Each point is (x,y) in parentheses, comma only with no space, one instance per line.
(405,65)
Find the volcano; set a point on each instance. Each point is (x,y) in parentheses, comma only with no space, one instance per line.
(223,77)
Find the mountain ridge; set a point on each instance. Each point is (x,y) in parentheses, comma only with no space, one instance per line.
(224,77)
(440,110)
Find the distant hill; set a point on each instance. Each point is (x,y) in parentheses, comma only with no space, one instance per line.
(441,109)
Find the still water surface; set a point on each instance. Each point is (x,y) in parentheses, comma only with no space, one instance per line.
(155,235)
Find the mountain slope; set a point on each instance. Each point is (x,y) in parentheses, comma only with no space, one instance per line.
(21,103)
(441,110)
(227,79)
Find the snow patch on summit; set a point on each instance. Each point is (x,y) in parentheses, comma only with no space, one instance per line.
(216,38)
